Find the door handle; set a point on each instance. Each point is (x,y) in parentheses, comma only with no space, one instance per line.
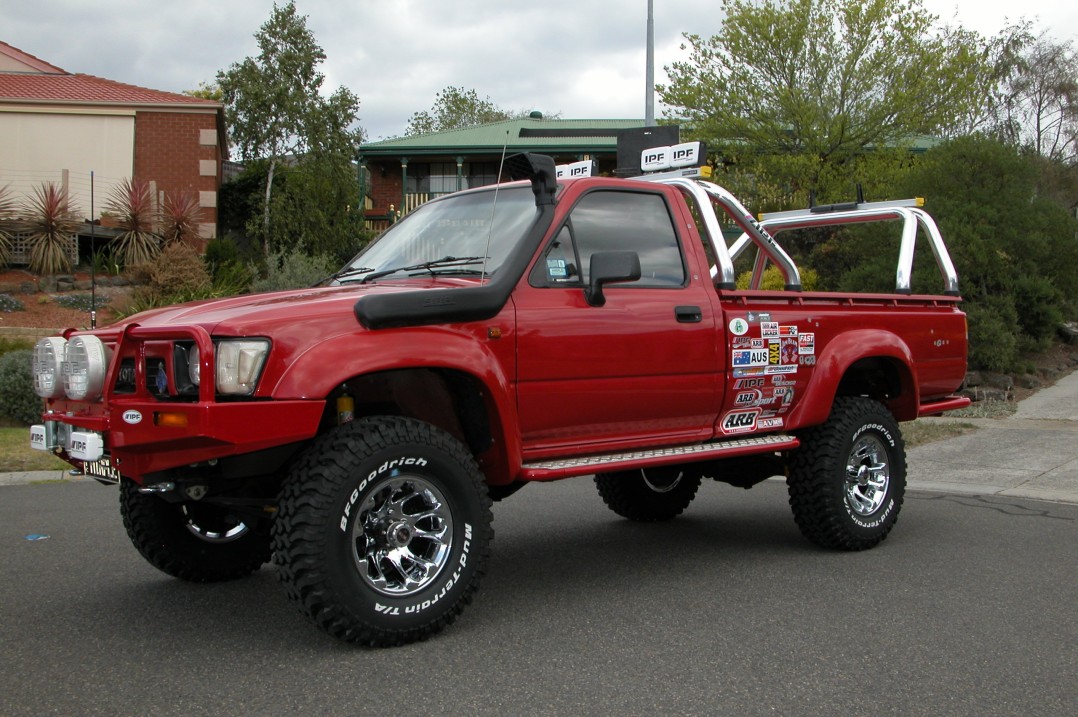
(688,314)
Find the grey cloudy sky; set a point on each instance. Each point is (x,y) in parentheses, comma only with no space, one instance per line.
(582,58)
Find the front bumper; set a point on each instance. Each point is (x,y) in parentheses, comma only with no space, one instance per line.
(146,437)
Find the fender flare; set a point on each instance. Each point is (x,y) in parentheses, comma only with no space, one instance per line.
(836,359)
(322,367)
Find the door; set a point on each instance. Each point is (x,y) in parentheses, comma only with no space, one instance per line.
(643,367)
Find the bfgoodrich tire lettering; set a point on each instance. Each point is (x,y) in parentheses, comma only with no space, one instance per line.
(847,480)
(195,541)
(383,531)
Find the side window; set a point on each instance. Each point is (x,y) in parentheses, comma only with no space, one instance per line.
(627,221)
(561,259)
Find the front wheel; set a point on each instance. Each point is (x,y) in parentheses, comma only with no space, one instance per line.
(383,531)
(649,494)
(847,480)
(193,540)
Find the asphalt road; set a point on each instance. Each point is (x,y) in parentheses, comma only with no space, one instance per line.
(966,609)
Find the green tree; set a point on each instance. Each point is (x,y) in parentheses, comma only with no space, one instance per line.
(823,79)
(206,91)
(1040,111)
(275,108)
(454,108)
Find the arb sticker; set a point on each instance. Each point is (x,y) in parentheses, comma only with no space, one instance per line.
(740,421)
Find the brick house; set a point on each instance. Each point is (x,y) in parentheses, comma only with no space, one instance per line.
(405,172)
(59,126)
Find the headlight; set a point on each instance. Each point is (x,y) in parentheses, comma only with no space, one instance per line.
(48,367)
(239,363)
(194,365)
(84,368)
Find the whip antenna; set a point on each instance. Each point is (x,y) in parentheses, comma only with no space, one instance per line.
(494,208)
(93,259)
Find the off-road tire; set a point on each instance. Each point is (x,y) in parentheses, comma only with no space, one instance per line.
(168,536)
(383,531)
(649,494)
(848,478)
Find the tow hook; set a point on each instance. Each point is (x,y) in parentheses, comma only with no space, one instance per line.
(165,487)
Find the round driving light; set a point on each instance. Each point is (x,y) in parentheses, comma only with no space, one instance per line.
(48,367)
(84,368)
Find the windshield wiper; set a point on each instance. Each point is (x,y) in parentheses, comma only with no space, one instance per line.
(450,261)
(342,274)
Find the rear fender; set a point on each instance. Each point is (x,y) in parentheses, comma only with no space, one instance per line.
(835,360)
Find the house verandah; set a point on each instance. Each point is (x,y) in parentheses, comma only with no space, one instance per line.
(400,174)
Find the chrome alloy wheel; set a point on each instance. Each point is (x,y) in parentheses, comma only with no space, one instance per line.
(402,536)
(867,475)
(213,526)
(661,480)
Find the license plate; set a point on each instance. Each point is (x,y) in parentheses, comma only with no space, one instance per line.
(102,469)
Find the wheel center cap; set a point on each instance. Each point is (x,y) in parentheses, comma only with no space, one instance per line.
(399,534)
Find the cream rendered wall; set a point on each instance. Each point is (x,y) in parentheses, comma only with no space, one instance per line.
(37,144)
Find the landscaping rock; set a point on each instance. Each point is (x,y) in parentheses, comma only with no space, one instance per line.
(27,287)
(83,285)
(973,378)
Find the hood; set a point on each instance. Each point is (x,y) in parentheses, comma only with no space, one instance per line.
(257,314)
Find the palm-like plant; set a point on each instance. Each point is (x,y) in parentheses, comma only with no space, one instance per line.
(179,218)
(52,222)
(7,218)
(131,203)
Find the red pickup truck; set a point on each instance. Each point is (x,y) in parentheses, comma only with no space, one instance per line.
(531,331)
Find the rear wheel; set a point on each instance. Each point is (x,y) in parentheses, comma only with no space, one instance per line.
(193,540)
(383,531)
(649,494)
(847,480)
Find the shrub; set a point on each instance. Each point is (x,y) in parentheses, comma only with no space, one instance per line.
(9,303)
(773,281)
(82,302)
(131,202)
(993,333)
(180,272)
(52,222)
(1038,304)
(17,398)
(293,270)
(179,217)
(7,218)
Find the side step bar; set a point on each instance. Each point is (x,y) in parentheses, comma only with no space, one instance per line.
(651,457)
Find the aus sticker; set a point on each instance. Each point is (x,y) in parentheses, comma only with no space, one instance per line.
(740,421)
(739,327)
(749,357)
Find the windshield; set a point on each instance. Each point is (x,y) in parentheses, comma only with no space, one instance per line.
(450,235)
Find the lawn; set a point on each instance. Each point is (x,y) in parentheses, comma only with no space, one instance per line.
(16,455)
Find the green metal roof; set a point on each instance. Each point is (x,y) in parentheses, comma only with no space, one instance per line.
(523,134)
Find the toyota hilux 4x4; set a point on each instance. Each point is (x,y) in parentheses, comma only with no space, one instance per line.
(356,433)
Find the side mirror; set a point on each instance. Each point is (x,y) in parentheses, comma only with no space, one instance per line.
(608,267)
